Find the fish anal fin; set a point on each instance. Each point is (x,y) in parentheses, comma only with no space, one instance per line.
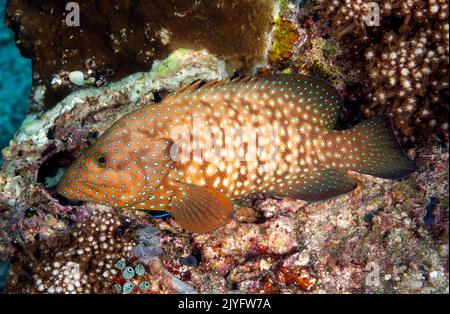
(321,185)
(199,209)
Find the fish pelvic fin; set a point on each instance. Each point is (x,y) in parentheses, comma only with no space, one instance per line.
(199,209)
(376,151)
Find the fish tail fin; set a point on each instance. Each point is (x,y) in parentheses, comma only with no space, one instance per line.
(376,151)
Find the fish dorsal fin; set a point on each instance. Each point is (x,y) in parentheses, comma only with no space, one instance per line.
(319,185)
(320,101)
(321,97)
(210,83)
(185,89)
(201,85)
(192,86)
(199,209)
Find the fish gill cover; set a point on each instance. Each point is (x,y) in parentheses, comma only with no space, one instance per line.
(380,236)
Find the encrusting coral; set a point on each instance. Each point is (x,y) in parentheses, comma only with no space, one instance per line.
(284,39)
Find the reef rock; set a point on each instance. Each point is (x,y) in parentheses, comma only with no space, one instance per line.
(114,39)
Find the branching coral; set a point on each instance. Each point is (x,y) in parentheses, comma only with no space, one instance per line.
(409,79)
(405,60)
(81,262)
(347,16)
(352,17)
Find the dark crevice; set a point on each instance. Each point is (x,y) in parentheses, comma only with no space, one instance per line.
(67,202)
(50,167)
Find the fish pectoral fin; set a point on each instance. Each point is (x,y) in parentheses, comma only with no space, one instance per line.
(200,209)
(321,185)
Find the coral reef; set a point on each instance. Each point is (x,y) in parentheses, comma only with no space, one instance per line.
(92,258)
(119,38)
(384,237)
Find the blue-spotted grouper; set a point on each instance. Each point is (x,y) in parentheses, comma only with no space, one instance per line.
(136,163)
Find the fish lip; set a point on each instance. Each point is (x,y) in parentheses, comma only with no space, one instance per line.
(63,191)
(61,188)
(58,189)
(59,185)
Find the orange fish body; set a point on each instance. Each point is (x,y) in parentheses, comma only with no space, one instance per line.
(203,146)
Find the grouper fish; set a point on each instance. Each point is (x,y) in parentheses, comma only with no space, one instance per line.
(282,132)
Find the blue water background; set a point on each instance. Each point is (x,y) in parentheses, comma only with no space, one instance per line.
(15,86)
(15,83)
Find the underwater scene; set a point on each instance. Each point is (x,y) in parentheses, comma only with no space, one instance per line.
(224,147)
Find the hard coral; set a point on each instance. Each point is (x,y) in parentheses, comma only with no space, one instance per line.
(406,59)
(409,80)
(354,18)
(80,262)
(117,38)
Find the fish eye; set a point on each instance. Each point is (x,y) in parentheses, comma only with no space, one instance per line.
(101,161)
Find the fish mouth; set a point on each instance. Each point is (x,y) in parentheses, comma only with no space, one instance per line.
(67,186)
(63,190)
(61,187)
(73,191)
